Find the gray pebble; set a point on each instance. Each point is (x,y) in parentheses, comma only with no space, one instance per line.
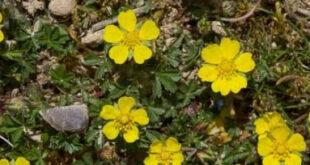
(72,118)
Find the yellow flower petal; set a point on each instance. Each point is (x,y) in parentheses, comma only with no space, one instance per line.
(110,130)
(237,82)
(127,20)
(132,134)
(149,31)
(156,147)
(270,160)
(173,145)
(262,136)
(265,146)
(151,160)
(293,159)
(275,120)
(261,126)
(296,143)
(126,104)
(1,36)
(4,162)
(21,161)
(1,17)
(208,73)
(141,53)
(245,63)
(221,85)
(109,112)
(177,158)
(140,116)
(281,134)
(212,54)
(230,48)
(112,34)
(119,54)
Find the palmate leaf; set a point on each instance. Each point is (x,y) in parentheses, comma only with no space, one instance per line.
(167,79)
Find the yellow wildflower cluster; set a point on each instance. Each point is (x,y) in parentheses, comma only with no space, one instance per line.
(165,153)
(130,41)
(1,33)
(19,161)
(225,66)
(277,143)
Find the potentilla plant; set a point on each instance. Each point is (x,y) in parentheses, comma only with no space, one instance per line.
(130,41)
(277,143)
(121,118)
(225,66)
(165,152)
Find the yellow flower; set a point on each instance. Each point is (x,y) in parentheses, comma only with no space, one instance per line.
(129,39)
(267,122)
(165,153)
(1,33)
(19,161)
(4,162)
(122,119)
(281,146)
(225,67)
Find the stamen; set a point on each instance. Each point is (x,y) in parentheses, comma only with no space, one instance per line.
(227,69)
(124,123)
(131,39)
(280,151)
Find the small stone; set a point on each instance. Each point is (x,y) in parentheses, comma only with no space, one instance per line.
(217,27)
(72,118)
(62,7)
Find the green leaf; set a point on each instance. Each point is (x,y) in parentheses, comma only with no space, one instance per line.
(168,80)
(93,60)
(61,77)
(16,136)
(152,135)
(157,90)
(88,159)
(154,113)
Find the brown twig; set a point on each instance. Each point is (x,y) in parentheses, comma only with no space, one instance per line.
(301,118)
(244,17)
(291,77)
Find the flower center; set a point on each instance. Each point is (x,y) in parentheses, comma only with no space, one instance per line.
(124,119)
(227,69)
(281,152)
(124,122)
(281,149)
(165,155)
(131,39)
